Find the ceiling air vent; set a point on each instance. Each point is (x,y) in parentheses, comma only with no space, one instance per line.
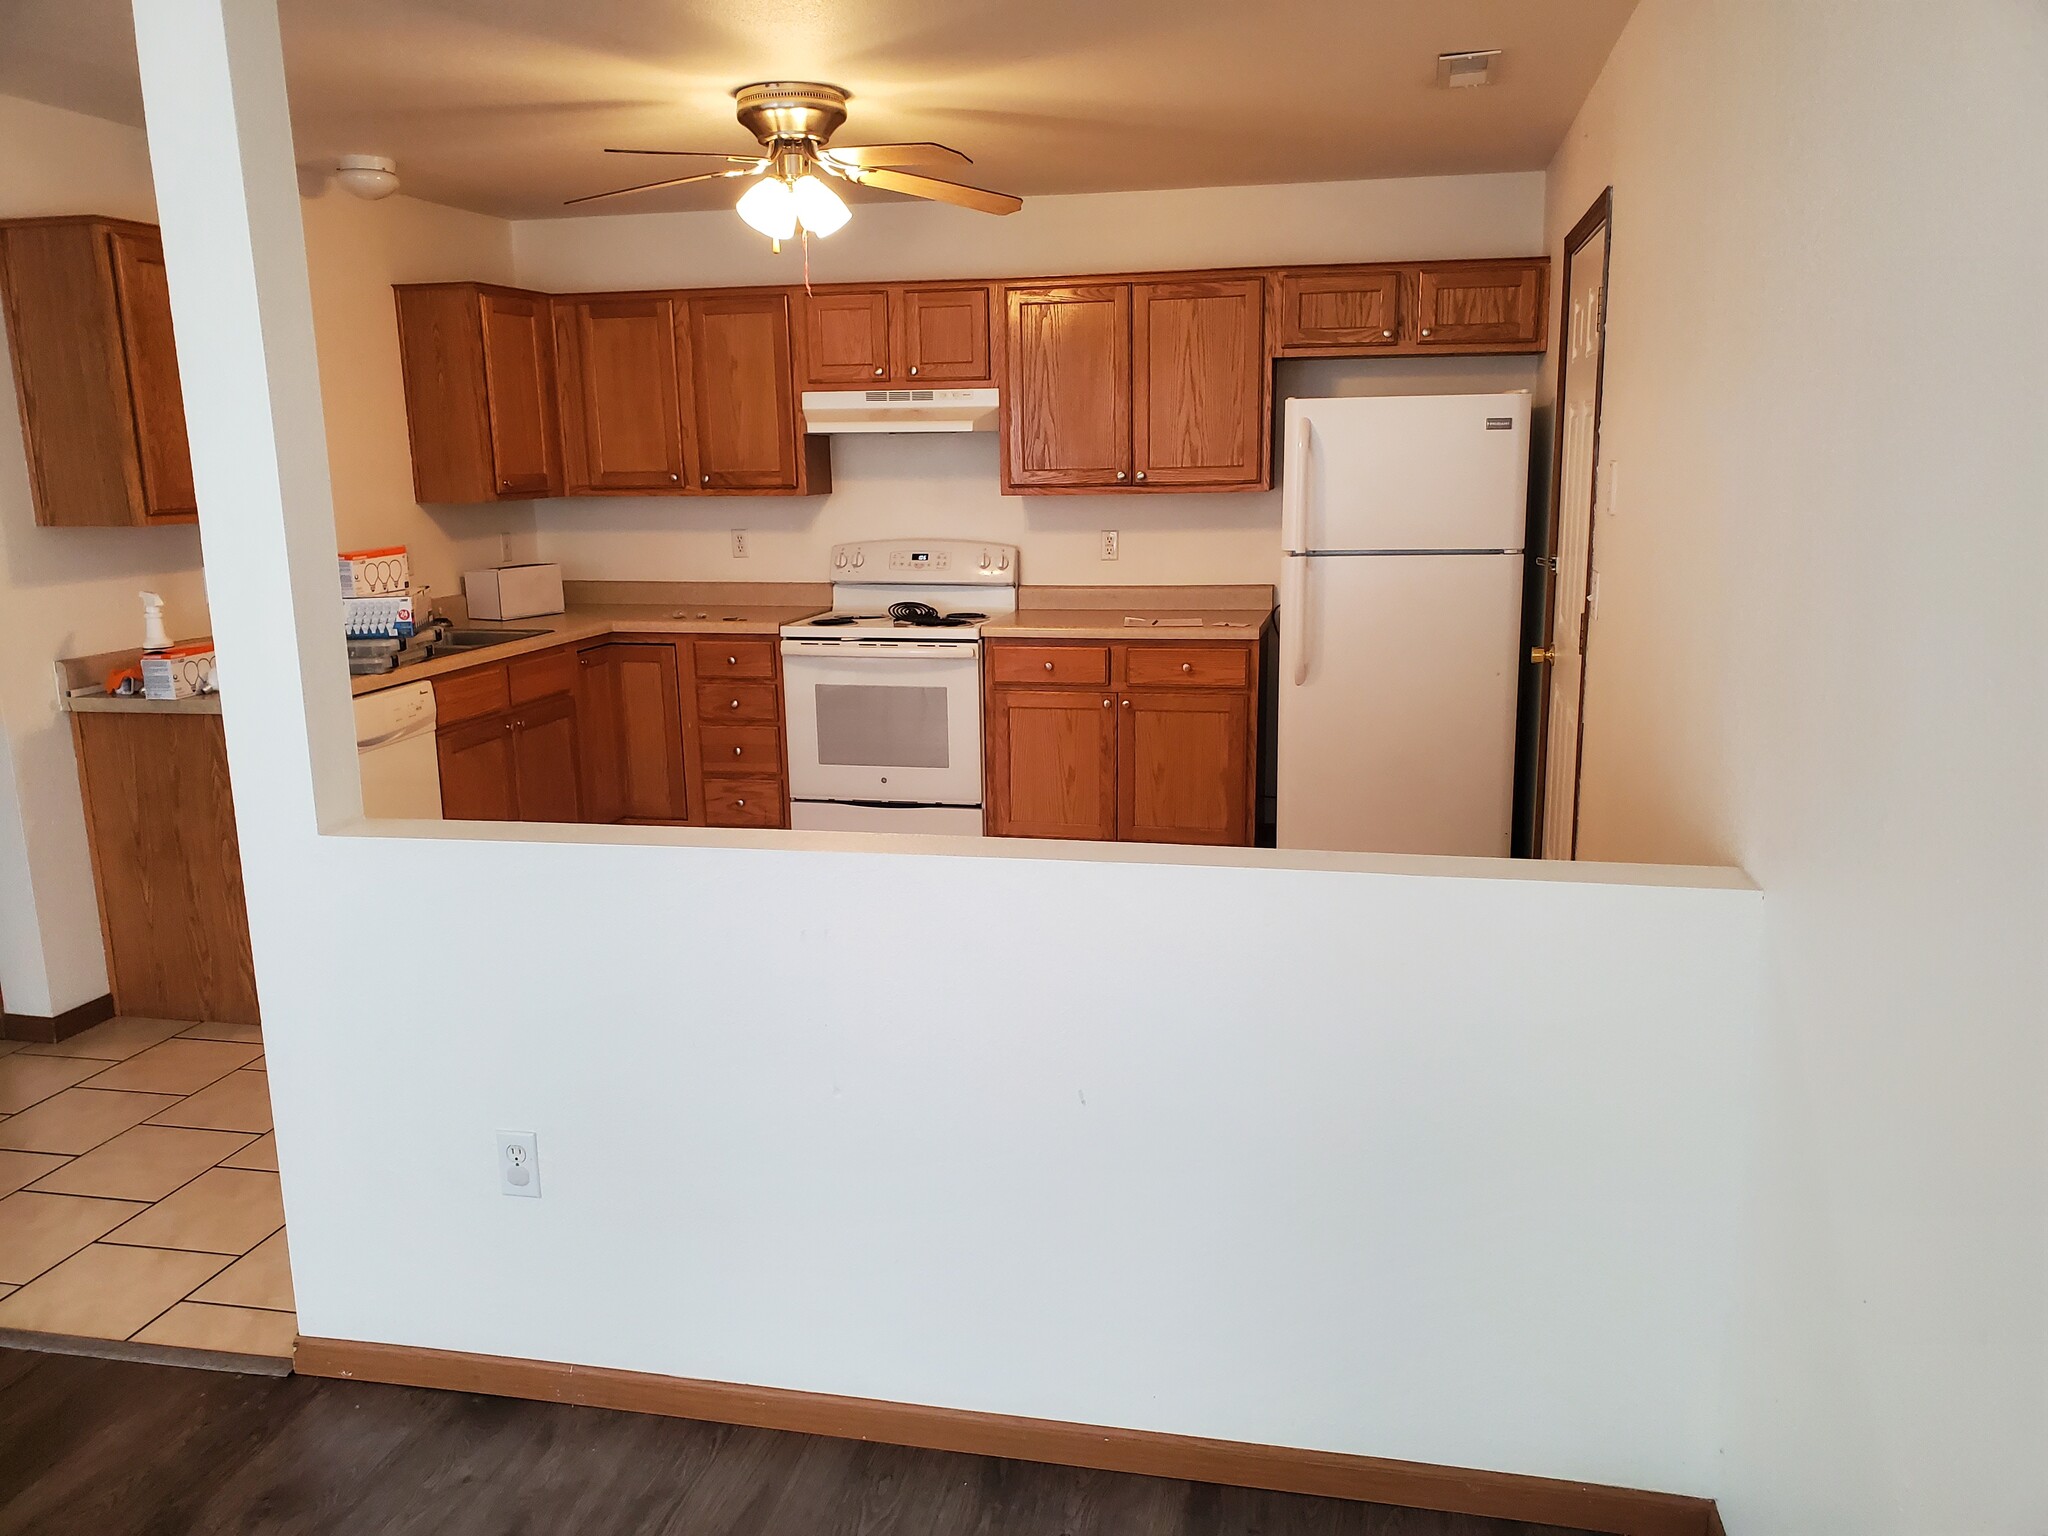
(1461,69)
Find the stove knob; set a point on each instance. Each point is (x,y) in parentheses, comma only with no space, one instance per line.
(839,558)
(859,559)
(984,560)
(1003,561)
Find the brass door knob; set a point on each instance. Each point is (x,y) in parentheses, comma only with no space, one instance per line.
(1539,655)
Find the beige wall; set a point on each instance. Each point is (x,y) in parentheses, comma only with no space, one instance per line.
(1819,653)
(888,486)
(72,591)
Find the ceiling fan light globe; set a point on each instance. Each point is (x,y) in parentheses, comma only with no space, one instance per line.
(819,207)
(770,207)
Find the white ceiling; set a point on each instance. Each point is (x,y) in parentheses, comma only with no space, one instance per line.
(504,105)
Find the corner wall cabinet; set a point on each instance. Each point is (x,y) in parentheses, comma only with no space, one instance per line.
(1153,382)
(88,310)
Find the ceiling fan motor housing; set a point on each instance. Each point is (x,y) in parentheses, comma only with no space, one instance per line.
(791,110)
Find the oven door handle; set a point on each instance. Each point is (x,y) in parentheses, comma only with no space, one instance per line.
(839,650)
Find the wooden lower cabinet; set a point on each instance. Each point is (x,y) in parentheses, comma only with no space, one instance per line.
(630,719)
(737,733)
(517,761)
(544,767)
(477,781)
(1165,753)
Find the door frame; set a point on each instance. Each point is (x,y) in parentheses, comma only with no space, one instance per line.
(1597,217)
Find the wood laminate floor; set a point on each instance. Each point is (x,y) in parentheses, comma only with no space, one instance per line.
(111,1447)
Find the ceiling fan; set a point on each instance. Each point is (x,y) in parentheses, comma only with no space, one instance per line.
(795,121)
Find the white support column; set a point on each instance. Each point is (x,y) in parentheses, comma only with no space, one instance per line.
(220,146)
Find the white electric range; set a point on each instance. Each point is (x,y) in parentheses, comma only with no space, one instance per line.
(883,694)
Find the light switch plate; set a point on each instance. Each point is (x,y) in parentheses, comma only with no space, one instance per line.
(519,1164)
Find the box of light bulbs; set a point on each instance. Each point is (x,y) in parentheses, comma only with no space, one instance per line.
(182,672)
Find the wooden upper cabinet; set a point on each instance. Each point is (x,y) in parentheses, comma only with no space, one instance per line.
(1184,767)
(1483,306)
(1352,309)
(846,338)
(479,366)
(88,312)
(743,399)
(1052,763)
(1199,409)
(622,419)
(1067,405)
(945,336)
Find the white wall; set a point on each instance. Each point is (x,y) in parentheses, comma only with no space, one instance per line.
(63,592)
(1422,1158)
(908,486)
(1820,653)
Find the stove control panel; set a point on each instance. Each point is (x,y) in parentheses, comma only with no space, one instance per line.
(947,562)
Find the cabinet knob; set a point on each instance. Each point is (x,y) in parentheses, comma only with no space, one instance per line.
(1119,474)
(735,704)
(741,802)
(1141,474)
(732,661)
(735,751)
(1048,666)
(1390,335)
(674,478)
(707,479)
(1127,703)
(913,372)
(1187,666)
(508,725)
(878,373)
(1105,703)
(1425,330)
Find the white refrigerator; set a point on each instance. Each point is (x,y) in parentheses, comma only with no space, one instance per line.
(1400,622)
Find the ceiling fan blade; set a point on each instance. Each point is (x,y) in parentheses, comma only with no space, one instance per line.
(938,191)
(701,154)
(924,152)
(650,186)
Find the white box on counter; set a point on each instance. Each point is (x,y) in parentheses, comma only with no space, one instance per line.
(375,572)
(181,672)
(513,591)
(392,616)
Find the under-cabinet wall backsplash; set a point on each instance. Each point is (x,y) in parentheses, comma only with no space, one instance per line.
(909,486)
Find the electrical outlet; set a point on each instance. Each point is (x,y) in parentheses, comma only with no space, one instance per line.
(518,1164)
(739,543)
(1109,543)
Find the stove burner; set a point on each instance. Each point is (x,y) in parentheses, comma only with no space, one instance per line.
(925,616)
(839,620)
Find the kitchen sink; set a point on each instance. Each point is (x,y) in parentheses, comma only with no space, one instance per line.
(460,640)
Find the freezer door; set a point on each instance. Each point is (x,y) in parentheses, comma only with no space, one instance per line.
(1406,472)
(1397,703)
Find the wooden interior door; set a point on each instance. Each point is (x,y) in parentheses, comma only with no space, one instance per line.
(1199,377)
(1491,304)
(628,387)
(1052,763)
(519,386)
(477,779)
(143,296)
(1355,309)
(945,336)
(1067,410)
(846,338)
(743,401)
(544,761)
(1561,661)
(1182,774)
(652,783)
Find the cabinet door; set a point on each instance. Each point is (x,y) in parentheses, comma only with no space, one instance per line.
(1067,410)
(1356,310)
(477,781)
(651,780)
(1052,763)
(144,296)
(1199,372)
(846,338)
(945,336)
(1492,304)
(1184,768)
(597,733)
(519,389)
(627,393)
(743,403)
(544,761)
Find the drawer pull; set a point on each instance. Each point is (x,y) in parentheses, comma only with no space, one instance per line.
(732,661)
(734,705)
(735,751)
(741,802)
(1105,703)
(1048,666)
(1187,666)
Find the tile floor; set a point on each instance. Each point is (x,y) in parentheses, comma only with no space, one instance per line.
(138,1189)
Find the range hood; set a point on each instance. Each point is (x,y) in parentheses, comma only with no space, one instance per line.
(900,410)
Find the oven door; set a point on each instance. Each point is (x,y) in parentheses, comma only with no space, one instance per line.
(887,722)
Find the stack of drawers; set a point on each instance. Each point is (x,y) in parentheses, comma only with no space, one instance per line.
(738,702)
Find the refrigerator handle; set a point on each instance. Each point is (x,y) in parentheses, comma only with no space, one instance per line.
(1294,610)
(1294,493)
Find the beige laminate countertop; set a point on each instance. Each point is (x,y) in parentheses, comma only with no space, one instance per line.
(1153,624)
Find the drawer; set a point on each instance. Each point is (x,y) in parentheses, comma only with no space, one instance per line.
(536,677)
(470,694)
(731,749)
(1193,666)
(743,802)
(1088,664)
(721,703)
(734,658)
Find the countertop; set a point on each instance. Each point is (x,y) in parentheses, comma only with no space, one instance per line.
(1131,623)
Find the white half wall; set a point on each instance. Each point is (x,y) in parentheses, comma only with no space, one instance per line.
(1819,652)
(1422,1158)
(888,486)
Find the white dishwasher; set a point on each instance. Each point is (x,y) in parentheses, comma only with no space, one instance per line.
(395,748)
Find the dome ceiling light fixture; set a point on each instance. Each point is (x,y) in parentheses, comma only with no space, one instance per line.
(795,121)
(367,176)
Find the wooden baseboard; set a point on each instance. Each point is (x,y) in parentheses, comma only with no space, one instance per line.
(44,1030)
(1368,1479)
